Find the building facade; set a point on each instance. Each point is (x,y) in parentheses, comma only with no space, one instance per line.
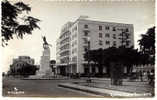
(26,59)
(74,39)
(19,62)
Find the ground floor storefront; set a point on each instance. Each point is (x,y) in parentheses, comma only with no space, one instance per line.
(83,70)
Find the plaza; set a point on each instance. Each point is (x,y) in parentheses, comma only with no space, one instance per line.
(41,88)
(100,87)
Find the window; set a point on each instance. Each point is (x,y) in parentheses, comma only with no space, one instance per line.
(85,26)
(74,50)
(74,59)
(72,44)
(75,42)
(100,42)
(127,43)
(107,42)
(85,33)
(75,28)
(114,28)
(107,35)
(127,30)
(114,43)
(100,35)
(107,27)
(85,40)
(100,27)
(85,48)
(114,36)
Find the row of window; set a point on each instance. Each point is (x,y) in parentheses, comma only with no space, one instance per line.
(106,28)
(74,59)
(64,53)
(100,42)
(65,47)
(74,36)
(74,43)
(74,29)
(114,43)
(65,60)
(65,40)
(65,34)
(85,40)
(101,35)
(74,50)
(85,48)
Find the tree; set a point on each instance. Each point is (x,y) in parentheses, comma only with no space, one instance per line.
(147,45)
(28,70)
(97,57)
(24,70)
(13,24)
(147,42)
(115,59)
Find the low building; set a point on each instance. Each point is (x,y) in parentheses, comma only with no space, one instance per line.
(20,62)
(26,59)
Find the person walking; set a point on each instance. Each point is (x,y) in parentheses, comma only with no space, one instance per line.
(141,76)
(151,82)
(148,76)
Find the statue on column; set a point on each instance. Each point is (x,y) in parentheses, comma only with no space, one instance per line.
(45,44)
(45,70)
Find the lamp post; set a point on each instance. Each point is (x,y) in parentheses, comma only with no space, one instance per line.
(88,39)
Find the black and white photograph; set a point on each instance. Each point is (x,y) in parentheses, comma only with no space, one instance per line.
(78,48)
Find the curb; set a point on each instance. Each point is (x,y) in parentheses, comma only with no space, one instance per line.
(84,90)
(102,92)
(42,79)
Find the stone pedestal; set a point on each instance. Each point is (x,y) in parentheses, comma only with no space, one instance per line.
(45,69)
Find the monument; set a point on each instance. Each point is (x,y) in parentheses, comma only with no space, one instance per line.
(45,69)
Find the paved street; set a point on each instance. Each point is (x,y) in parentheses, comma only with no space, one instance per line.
(43,88)
(49,88)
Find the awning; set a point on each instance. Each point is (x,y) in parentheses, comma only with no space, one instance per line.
(61,64)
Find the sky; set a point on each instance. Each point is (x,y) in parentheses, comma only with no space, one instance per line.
(54,14)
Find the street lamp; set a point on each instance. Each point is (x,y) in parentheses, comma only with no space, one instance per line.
(88,40)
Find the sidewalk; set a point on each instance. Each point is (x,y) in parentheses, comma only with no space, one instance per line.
(128,89)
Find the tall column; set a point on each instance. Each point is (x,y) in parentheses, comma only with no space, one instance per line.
(45,61)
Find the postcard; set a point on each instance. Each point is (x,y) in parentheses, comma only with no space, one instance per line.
(78,48)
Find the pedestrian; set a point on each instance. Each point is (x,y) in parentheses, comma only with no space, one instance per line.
(151,82)
(141,75)
(145,75)
(148,76)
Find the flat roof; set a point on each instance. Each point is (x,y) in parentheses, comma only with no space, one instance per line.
(102,22)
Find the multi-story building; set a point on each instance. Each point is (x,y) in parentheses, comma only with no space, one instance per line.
(73,42)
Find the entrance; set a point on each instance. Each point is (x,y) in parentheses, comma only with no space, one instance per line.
(86,70)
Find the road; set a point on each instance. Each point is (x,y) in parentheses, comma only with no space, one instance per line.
(40,88)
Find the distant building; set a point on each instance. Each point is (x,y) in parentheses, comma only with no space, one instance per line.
(26,59)
(20,62)
(73,43)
